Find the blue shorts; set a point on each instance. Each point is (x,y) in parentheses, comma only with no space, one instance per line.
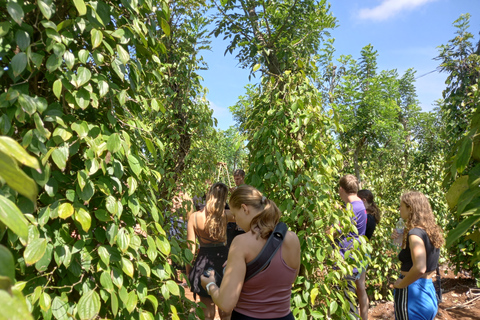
(418,301)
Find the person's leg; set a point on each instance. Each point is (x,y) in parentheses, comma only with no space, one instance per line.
(209,311)
(362,296)
(348,291)
(400,303)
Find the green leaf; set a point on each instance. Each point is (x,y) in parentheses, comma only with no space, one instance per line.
(112,205)
(145,315)
(82,216)
(61,135)
(7,265)
(19,63)
(131,301)
(173,287)
(106,281)
(117,277)
(83,55)
(163,245)
(13,218)
(83,76)
(114,303)
(97,37)
(12,148)
(165,26)
(134,165)
(39,126)
(45,301)
(132,185)
(65,210)
(144,269)
(102,88)
(82,98)
(89,305)
(60,309)
(23,39)
(154,302)
(464,154)
(127,267)
(114,144)
(57,88)
(4,28)
(54,62)
(15,11)
(123,239)
(123,54)
(46,7)
(104,255)
(461,228)
(35,250)
(456,190)
(69,59)
(60,157)
(81,7)
(42,264)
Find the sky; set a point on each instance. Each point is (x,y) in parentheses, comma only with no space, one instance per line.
(405,33)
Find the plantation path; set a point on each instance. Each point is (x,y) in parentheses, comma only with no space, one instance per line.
(461,299)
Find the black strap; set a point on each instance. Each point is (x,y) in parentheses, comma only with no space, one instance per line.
(268,251)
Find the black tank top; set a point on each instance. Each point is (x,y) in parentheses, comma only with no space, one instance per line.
(405,256)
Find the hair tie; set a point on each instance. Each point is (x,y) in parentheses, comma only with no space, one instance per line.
(264,199)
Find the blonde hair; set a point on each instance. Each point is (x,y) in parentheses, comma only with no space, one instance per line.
(264,223)
(349,183)
(421,215)
(215,223)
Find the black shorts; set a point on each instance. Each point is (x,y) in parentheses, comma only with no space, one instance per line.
(238,316)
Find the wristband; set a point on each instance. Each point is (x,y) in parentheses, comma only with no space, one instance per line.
(208,286)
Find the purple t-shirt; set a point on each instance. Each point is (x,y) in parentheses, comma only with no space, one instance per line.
(360,220)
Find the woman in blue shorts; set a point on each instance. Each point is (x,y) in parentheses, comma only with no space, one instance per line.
(414,295)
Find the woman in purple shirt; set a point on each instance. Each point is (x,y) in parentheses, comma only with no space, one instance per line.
(267,294)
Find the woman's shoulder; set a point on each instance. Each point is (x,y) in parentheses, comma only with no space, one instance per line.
(291,240)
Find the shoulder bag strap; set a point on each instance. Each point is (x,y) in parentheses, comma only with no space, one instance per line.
(268,251)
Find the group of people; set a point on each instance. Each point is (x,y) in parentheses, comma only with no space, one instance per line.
(267,294)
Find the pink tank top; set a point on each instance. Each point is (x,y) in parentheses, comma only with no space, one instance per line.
(267,294)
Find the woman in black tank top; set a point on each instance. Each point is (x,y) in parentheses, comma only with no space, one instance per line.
(414,295)
(208,226)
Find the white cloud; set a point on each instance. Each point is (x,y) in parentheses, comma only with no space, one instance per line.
(390,8)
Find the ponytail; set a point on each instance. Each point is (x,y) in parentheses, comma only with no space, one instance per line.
(264,223)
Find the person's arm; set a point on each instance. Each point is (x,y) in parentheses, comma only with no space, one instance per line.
(227,295)
(190,239)
(419,259)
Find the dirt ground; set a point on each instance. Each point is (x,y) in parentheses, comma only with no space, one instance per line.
(461,299)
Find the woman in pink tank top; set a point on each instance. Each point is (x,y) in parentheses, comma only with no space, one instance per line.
(267,294)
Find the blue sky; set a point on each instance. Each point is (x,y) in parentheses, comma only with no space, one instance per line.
(406,34)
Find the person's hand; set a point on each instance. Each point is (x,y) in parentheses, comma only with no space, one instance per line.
(395,234)
(397,283)
(204,280)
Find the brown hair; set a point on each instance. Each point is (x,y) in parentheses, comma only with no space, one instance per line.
(264,223)
(215,223)
(349,183)
(372,209)
(421,216)
(239,172)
